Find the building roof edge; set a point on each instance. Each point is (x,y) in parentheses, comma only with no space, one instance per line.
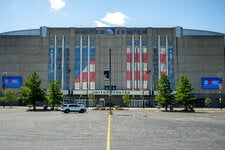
(200,32)
(23,32)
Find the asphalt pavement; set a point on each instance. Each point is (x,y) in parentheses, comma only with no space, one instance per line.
(133,129)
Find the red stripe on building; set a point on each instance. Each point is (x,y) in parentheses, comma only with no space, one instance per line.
(92,76)
(77,79)
(137,75)
(84,76)
(163,58)
(137,57)
(144,57)
(128,56)
(129,75)
(145,75)
(92,61)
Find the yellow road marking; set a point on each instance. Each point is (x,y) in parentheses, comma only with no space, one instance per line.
(108,136)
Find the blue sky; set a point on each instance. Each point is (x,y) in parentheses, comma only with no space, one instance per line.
(190,14)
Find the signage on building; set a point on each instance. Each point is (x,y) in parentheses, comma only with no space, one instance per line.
(211,83)
(106,74)
(110,31)
(107,92)
(11,81)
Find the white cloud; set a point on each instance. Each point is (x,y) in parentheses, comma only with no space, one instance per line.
(57,4)
(114,19)
(100,24)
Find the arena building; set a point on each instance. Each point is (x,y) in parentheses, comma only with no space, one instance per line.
(82,59)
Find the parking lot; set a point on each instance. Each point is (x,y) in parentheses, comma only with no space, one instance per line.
(132,129)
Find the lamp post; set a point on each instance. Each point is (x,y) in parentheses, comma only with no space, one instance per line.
(146,73)
(110,86)
(4,84)
(152,85)
(220,89)
(87,102)
(68,84)
(142,76)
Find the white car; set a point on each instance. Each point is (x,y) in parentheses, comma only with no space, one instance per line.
(73,108)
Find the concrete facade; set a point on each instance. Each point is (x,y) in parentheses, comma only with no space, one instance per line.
(77,58)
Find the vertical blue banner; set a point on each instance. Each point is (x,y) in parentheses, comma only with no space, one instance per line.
(171,68)
(66,69)
(51,64)
(84,58)
(77,63)
(59,65)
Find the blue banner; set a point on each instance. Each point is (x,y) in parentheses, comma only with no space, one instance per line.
(51,64)
(211,83)
(11,81)
(171,68)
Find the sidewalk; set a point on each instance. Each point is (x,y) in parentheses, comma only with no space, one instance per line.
(160,109)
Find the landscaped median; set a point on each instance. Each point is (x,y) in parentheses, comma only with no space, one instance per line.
(42,108)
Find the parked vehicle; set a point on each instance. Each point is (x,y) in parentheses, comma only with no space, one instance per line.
(73,108)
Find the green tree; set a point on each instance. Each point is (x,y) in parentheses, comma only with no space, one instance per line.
(184,95)
(25,94)
(31,92)
(9,96)
(126,98)
(208,101)
(91,97)
(54,95)
(165,96)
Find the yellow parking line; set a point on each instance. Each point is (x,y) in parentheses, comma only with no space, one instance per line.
(108,136)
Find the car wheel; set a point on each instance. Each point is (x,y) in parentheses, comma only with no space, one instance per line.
(81,111)
(67,111)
